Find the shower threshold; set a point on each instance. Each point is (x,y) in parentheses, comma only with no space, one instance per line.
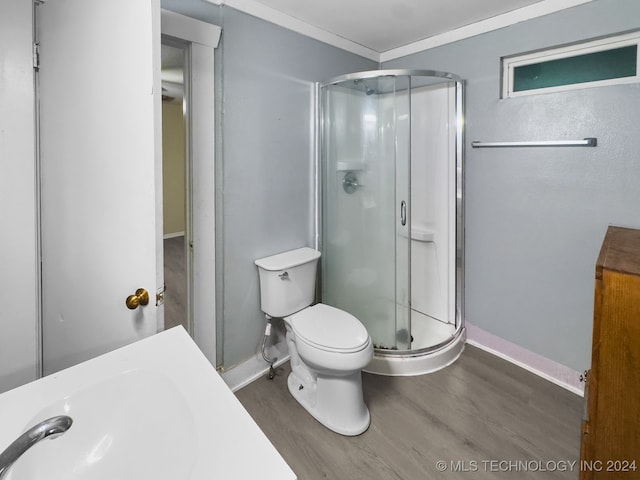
(435,345)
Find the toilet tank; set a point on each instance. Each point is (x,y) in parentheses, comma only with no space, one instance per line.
(287,281)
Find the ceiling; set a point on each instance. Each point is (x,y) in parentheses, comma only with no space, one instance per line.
(382,26)
(377,28)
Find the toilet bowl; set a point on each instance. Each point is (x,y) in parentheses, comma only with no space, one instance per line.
(328,347)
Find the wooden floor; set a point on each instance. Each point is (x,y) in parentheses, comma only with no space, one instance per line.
(175,280)
(482,416)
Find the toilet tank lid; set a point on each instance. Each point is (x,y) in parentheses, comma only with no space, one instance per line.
(289,259)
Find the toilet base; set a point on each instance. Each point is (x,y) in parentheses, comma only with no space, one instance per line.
(336,402)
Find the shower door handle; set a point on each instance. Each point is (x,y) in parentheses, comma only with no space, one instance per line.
(403,213)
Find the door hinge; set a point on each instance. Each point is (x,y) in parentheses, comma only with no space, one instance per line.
(36,56)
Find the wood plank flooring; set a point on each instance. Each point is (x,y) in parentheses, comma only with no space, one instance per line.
(482,416)
(175,279)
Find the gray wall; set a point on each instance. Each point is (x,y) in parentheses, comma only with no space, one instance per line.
(265,77)
(267,80)
(535,218)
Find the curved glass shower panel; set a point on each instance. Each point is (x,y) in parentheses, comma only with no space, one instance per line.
(391,164)
(363,191)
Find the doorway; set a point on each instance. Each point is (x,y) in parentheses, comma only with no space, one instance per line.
(198,40)
(175,186)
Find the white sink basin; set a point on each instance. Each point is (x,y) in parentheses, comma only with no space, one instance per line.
(130,424)
(155,409)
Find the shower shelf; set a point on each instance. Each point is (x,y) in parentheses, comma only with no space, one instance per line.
(419,234)
(349,166)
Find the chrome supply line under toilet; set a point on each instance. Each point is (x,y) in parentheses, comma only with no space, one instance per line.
(270,361)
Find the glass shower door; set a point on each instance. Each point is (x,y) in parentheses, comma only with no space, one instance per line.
(401,118)
(365,176)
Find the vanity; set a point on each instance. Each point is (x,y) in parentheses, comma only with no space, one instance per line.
(155,409)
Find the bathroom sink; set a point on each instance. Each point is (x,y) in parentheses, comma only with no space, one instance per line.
(130,424)
(155,409)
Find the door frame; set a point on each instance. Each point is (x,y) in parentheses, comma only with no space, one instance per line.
(201,40)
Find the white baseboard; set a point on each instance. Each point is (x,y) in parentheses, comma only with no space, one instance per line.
(173,235)
(255,367)
(548,369)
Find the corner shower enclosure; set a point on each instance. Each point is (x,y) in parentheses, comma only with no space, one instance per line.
(390,161)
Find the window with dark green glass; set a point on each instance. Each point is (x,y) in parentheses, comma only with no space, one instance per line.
(590,67)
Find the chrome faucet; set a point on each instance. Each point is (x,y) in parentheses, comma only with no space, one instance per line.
(51,427)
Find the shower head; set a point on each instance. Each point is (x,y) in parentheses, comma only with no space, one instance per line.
(367,89)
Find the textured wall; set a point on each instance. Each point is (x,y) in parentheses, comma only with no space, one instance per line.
(535,218)
(267,181)
(265,177)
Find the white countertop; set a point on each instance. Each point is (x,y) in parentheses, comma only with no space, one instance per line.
(127,400)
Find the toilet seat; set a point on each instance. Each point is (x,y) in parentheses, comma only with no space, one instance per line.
(329,329)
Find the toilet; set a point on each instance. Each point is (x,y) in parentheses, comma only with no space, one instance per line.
(328,347)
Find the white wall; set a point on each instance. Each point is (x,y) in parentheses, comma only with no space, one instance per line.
(18,272)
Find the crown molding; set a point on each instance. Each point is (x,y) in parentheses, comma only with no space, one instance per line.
(256,9)
(539,9)
(269,14)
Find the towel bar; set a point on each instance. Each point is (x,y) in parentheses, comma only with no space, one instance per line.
(587,142)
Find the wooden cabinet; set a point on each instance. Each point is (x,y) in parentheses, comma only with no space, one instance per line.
(610,445)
